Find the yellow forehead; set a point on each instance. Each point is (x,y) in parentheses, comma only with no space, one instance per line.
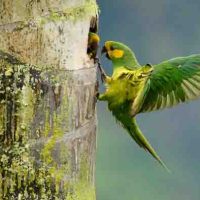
(108,45)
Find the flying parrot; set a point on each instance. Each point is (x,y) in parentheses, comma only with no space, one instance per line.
(134,89)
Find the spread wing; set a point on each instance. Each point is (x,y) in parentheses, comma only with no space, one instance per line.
(172,82)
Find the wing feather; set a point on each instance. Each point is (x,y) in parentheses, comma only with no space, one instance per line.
(173,82)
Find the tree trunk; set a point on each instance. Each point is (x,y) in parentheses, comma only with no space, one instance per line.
(47,104)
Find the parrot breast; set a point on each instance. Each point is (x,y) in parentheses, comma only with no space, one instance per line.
(119,95)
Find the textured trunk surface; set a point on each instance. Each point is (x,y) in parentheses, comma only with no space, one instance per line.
(47,104)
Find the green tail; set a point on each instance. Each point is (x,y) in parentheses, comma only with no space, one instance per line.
(140,139)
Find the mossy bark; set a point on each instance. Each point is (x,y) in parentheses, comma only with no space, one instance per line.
(47,103)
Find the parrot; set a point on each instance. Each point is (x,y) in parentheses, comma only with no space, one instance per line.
(92,50)
(93,44)
(93,38)
(133,89)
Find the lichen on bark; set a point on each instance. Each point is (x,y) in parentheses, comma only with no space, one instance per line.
(35,161)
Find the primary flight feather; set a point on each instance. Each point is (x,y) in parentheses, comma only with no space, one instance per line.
(133,88)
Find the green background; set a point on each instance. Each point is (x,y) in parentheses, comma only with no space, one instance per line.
(157,30)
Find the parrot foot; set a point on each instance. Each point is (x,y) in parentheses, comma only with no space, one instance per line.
(133,113)
(102,97)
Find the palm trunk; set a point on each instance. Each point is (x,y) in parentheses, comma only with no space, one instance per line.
(47,104)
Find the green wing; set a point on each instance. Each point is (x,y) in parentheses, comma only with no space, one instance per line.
(173,82)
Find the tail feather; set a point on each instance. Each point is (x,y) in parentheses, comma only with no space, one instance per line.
(140,139)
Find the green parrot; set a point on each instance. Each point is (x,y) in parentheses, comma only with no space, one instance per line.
(134,89)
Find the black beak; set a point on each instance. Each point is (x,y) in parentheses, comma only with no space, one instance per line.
(104,50)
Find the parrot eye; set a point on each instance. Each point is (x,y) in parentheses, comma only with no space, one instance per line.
(111,48)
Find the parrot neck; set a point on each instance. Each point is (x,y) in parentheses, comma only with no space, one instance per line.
(129,61)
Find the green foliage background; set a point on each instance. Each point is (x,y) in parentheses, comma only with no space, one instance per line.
(157,30)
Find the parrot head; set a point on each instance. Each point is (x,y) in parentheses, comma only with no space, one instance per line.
(119,53)
(93,43)
(93,38)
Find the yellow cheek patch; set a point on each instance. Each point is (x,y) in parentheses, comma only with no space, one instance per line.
(116,53)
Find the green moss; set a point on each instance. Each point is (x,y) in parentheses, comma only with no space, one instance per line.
(21,175)
(49,146)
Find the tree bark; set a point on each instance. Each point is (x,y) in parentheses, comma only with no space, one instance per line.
(47,100)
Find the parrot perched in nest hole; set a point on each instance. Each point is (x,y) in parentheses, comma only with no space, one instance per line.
(93,44)
(134,89)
